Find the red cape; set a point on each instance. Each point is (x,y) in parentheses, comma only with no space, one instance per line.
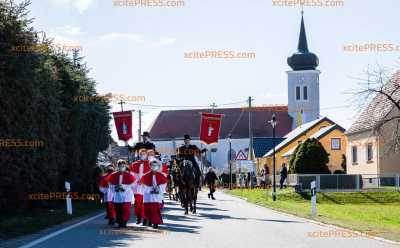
(104,180)
(127,178)
(147,179)
(165,169)
(135,166)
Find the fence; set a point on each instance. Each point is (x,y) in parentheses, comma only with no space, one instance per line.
(344,182)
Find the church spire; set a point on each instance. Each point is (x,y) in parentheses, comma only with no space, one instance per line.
(303,59)
(303,46)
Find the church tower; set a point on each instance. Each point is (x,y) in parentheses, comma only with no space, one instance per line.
(303,82)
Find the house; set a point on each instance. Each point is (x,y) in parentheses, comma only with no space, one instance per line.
(369,150)
(330,134)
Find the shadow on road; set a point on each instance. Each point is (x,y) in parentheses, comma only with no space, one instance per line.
(220,217)
(210,209)
(108,237)
(172,227)
(178,217)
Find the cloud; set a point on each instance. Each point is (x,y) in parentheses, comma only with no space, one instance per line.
(68,30)
(60,39)
(80,5)
(66,34)
(123,36)
(139,39)
(161,42)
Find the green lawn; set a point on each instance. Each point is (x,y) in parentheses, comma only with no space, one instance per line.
(377,213)
(14,226)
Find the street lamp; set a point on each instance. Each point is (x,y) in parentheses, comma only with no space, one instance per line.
(229,161)
(273,124)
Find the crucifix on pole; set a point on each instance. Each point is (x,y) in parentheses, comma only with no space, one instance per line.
(213,106)
(122,105)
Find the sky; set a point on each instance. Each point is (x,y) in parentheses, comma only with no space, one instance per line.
(139,51)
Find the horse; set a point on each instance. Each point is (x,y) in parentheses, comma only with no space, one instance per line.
(187,182)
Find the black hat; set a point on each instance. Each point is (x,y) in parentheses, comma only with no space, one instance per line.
(186,136)
(147,134)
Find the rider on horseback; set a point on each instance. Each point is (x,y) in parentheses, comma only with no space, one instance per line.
(188,152)
(146,144)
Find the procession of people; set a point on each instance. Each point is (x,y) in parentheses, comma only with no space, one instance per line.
(143,182)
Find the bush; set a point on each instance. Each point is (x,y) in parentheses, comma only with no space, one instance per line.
(310,157)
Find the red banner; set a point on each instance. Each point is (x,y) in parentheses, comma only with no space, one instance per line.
(123,123)
(210,127)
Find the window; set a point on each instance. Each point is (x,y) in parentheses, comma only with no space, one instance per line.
(335,144)
(305,93)
(370,152)
(298,93)
(354,154)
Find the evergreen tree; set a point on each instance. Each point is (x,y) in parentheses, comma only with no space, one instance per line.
(36,98)
(310,158)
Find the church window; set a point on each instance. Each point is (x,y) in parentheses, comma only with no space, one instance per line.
(305,93)
(297,92)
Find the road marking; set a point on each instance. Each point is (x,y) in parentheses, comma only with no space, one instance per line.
(49,236)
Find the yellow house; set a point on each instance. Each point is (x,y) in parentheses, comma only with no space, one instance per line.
(330,134)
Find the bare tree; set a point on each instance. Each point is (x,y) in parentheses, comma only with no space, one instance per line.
(378,97)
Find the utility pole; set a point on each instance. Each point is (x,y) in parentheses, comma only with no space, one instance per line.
(230,160)
(273,124)
(250,132)
(140,125)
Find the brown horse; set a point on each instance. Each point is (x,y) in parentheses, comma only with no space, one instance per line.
(186,181)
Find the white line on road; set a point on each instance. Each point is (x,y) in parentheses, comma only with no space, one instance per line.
(49,236)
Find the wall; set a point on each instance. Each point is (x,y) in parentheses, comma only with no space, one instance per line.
(310,107)
(335,156)
(362,166)
(389,160)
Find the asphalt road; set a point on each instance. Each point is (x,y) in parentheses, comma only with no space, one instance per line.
(226,222)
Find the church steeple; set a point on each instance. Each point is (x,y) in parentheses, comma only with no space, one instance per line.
(303,59)
(303,46)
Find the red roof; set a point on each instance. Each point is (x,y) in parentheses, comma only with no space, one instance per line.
(175,123)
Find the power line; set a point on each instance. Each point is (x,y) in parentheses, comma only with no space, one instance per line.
(183,106)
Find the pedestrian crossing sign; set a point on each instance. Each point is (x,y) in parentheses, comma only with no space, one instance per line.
(241,156)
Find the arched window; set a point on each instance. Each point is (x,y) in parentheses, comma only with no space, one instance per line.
(298,93)
(305,93)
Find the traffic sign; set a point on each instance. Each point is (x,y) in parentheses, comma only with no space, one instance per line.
(241,156)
